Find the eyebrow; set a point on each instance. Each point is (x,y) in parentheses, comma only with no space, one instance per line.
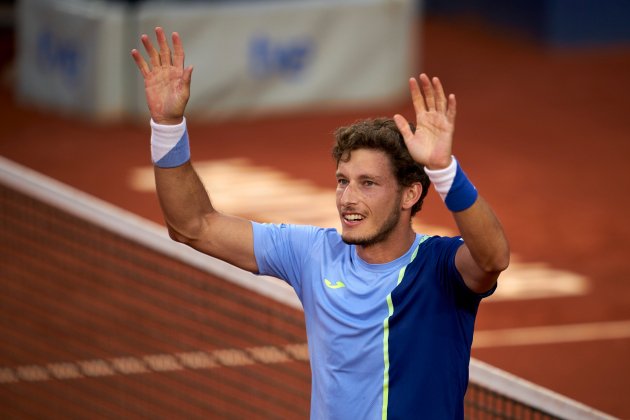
(361,177)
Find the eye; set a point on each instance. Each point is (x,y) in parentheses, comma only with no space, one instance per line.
(368,183)
(342,182)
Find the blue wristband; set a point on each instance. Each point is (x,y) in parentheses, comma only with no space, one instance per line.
(453,186)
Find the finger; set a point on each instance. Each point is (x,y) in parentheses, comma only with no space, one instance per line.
(165,51)
(451,110)
(187,76)
(403,127)
(140,62)
(440,97)
(416,97)
(151,51)
(178,51)
(427,90)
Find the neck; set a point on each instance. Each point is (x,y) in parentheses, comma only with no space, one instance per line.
(395,246)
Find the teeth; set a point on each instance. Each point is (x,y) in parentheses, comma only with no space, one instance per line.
(353,217)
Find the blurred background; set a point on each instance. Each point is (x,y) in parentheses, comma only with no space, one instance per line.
(542,129)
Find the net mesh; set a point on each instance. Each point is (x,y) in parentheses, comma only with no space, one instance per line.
(97,325)
(93,323)
(485,404)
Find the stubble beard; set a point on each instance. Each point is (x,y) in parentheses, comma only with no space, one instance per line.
(381,235)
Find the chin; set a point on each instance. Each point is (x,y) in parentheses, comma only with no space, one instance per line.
(350,238)
(376,236)
(358,240)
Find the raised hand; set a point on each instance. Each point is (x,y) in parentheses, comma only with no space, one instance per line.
(166,81)
(432,142)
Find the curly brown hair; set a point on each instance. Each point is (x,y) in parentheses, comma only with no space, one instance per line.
(382,134)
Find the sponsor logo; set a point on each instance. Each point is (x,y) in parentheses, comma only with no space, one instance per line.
(61,56)
(337,285)
(289,59)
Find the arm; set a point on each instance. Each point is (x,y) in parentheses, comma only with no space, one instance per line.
(188,211)
(485,252)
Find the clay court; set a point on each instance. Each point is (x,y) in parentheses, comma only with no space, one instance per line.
(544,133)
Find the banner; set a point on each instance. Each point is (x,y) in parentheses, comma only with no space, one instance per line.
(69,56)
(252,57)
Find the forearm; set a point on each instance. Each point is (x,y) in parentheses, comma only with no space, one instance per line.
(484,236)
(184,201)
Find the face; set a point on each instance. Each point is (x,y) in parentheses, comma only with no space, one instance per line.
(368,198)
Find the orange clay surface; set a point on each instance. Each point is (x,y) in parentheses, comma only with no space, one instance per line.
(544,134)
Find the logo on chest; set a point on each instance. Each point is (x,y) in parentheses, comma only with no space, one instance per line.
(331,285)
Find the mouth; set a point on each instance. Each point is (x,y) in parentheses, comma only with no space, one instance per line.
(352,219)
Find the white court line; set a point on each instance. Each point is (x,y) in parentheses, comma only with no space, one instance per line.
(552,334)
(131,365)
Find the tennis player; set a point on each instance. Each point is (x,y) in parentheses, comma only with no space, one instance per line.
(389,312)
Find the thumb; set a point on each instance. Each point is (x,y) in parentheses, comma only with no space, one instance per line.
(187,76)
(403,126)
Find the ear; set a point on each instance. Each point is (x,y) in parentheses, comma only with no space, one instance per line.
(411,195)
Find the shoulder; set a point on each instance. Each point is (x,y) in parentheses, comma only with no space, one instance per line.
(442,251)
(292,229)
(285,250)
(438,253)
(299,235)
(442,244)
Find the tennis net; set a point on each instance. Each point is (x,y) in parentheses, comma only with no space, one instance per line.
(104,316)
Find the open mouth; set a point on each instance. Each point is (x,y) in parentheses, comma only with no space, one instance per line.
(352,218)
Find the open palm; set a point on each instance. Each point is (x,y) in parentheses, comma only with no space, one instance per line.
(431,143)
(166,81)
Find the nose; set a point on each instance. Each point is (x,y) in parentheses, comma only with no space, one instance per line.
(348,195)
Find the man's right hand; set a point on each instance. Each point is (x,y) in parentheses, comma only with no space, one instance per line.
(166,81)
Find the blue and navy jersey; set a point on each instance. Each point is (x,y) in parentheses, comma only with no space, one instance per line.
(385,340)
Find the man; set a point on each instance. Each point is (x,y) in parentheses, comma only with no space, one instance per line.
(389,312)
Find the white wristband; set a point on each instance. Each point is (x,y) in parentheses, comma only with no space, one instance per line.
(169,144)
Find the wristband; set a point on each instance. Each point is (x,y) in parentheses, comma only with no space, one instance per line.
(453,186)
(169,144)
